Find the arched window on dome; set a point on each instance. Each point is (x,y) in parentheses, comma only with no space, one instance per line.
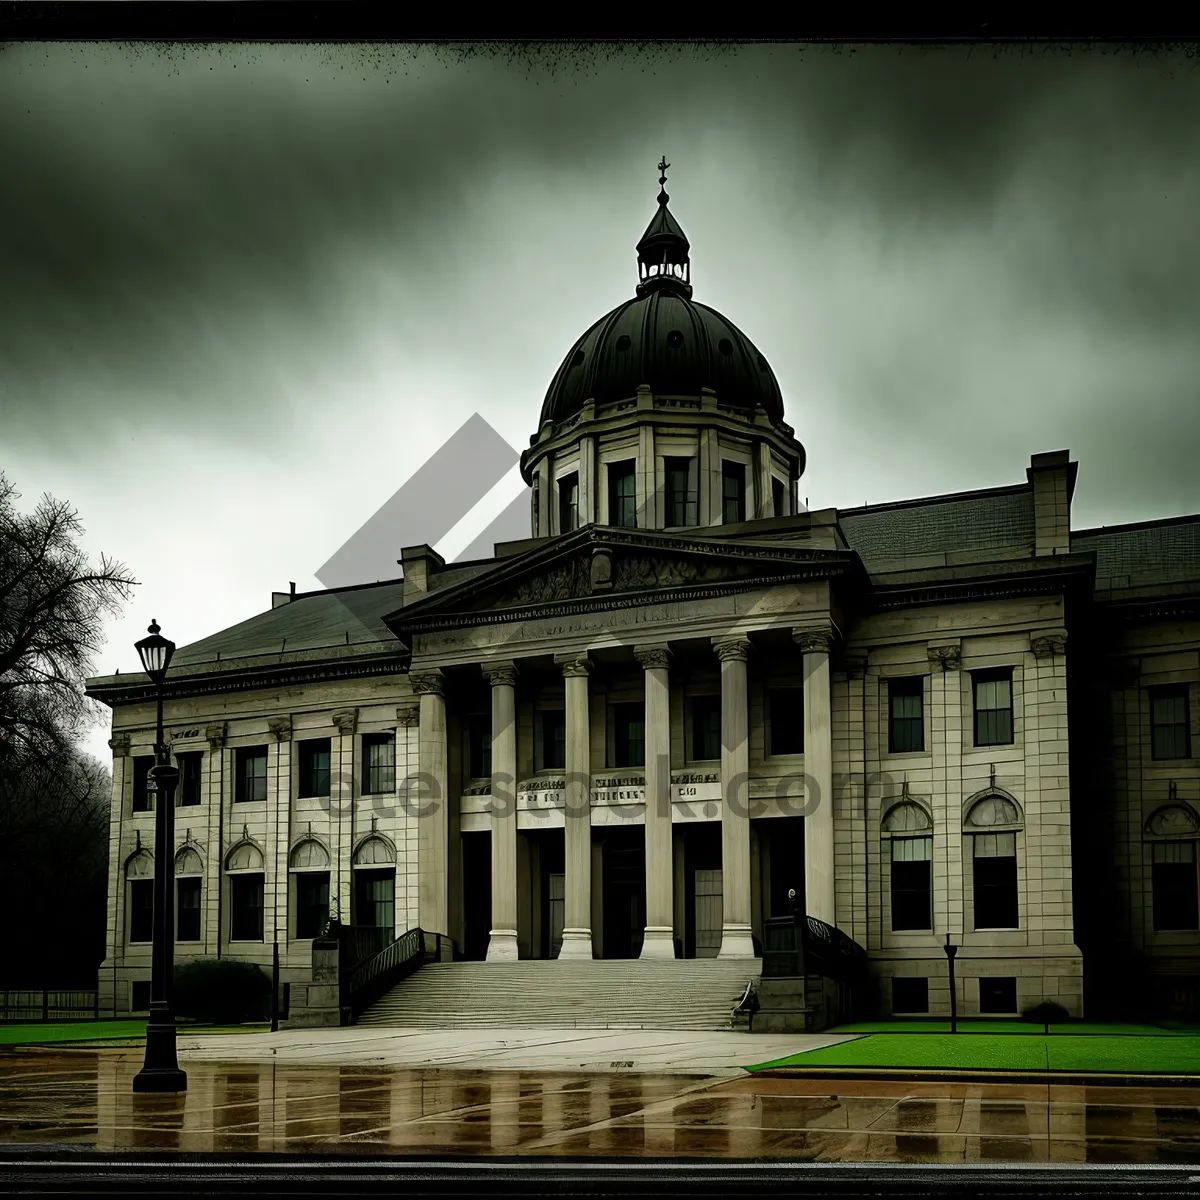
(991,828)
(1171,833)
(189,886)
(907,831)
(139,893)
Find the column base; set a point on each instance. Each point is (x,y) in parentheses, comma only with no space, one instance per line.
(658,942)
(576,943)
(502,946)
(737,942)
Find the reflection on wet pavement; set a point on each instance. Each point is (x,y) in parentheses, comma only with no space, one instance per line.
(85,1098)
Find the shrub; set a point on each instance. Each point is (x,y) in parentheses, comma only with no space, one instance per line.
(1046,1014)
(222,992)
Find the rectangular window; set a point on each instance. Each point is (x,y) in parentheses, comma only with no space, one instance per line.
(246,908)
(312,903)
(778,494)
(622,494)
(910,995)
(189,778)
(187,909)
(143,798)
(995,877)
(733,492)
(906,719)
(141,910)
(998,995)
(314,767)
(706,727)
(376,898)
(1169,722)
(479,734)
(629,735)
(912,884)
(1174,875)
(993,707)
(683,492)
(139,995)
(568,502)
(379,764)
(786,720)
(554,741)
(251,774)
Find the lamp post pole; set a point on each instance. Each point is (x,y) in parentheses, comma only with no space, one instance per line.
(951,951)
(160,1072)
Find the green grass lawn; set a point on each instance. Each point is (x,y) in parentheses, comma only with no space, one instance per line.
(980,1025)
(1134,1053)
(41,1033)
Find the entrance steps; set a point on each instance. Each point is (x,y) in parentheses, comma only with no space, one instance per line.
(574,994)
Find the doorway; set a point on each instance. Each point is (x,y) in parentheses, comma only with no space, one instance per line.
(624,884)
(477,894)
(781,863)
(704,904)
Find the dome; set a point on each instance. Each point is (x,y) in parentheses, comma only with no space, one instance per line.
(662,338)
(671,343)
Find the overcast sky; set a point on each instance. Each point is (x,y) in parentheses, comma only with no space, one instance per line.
(247,291)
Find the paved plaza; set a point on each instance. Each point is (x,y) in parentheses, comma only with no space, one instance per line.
(83,1099)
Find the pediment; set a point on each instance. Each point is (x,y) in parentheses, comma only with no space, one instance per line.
(589,566)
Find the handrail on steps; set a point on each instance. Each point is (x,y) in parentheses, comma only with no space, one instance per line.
(374,976)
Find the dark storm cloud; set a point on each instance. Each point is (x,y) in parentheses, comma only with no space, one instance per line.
(158,204)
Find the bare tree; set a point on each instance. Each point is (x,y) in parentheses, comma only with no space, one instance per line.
(53,798)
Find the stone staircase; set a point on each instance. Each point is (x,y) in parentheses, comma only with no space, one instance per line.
(548,994)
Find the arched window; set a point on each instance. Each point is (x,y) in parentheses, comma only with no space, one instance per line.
(309,863)
(1172,832)
(992,824)
(909,830)
(375,885)
(139,875)
(374,851)
(244,866)
(189,883)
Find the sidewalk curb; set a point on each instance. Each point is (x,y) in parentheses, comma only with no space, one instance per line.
(1061,1078)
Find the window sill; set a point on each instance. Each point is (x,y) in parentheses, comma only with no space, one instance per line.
(247,803)
(908,754)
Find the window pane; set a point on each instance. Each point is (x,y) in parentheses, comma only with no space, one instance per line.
(622,495)
(910,995)
(246,908)
(733,492)
(706,727)
(312,902)
(376,899)
(189,778)
(143,800)
(479,733)
(995,880)
(554,741)
(188,908)
(1169,733)
(314,767)
(787,721)
(1174,886)
(993,709)
(998,995)
(141,910)
(906,728)
(629,735)
(379,764)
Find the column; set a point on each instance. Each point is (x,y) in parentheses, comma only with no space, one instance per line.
(343,786)
(816,644)
(577,813)
(432,804)
(947,732)
(502,945)
(737,940)
(408,728)
(659,940)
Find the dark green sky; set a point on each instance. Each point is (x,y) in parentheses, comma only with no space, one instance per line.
(248,290)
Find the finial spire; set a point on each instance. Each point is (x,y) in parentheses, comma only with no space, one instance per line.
(663,167)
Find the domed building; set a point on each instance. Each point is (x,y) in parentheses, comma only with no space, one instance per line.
(688,741)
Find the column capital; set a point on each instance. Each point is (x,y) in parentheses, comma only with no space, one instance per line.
(500,674)
(281,728)
(1048,643)
(814,639)
(574,664)
(428,683)
(408,715)
(346,721)
(119,745)
(652,657)
(215,735)
(732,649)
(948,656)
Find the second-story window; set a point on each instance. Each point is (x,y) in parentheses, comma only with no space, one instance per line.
(251,765)
(568,502)
(778,498)
(993,707)
(554,741)
(906,720)
(786,720)
(379,764)
(682,492)
(733,492)
(622,494)
(314,767)
(479,745)
(143,798)
(629,735)
(189,778)
(706,727)
(1169,722)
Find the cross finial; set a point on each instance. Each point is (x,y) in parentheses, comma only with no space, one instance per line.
(663,167)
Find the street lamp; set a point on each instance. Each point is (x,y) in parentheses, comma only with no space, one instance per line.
(160,1072)
(951,951)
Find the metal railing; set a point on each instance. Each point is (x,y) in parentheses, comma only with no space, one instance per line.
(794,946)
(368,980)
(49,1004)
(365,941)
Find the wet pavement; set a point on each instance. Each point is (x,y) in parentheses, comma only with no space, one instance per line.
(84,1099)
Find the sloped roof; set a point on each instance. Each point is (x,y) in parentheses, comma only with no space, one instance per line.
(1148,552)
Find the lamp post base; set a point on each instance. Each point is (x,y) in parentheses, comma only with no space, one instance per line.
(161,1071)
(168,1079)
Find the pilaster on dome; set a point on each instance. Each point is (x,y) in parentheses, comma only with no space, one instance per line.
(663,253)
